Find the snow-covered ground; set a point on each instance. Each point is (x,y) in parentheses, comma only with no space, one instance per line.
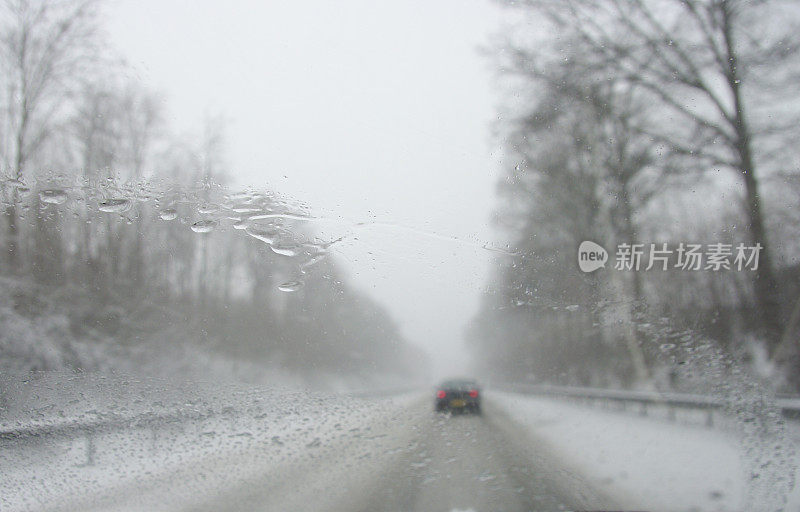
(644,462)
(242,438)
(251,435)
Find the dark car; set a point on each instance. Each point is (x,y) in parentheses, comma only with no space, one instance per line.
(458,395)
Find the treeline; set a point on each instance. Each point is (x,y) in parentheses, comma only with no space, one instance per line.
(135,229)
(646,122)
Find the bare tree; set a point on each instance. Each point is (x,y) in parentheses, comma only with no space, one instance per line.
(578,144)
(211,155)
(141,123)
(45,45)
(701,62)
(95,145)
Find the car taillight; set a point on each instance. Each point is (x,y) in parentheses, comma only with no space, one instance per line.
(473,393)
(440,394)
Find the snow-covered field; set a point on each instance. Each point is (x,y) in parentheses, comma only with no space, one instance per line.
(643,462)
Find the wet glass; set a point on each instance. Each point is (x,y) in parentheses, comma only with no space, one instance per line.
(455,255)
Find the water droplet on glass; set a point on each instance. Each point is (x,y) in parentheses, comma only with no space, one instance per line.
(205,209)
(268,236)
(114,205)
(284,250)
(313,260)
(168,214)
(240,196)
(245,209)
(204,226)
(53,196)
(290,286)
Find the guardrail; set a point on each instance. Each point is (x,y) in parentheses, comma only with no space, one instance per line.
(106,422)
(111,421)
(88,430)
(789,406)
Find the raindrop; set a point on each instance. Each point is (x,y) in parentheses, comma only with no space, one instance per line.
(486,477)
(204,226)
(114,205)
(53,196)
(316,258)
(284,216)
(205,209)
(290,286)
(240,196)
(245,209)
(572,308)
(268,236)
(284,250)
(168,214)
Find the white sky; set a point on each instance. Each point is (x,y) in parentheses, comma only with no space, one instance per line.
(364,110)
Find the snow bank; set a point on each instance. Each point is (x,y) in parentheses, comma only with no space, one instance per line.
(643,463)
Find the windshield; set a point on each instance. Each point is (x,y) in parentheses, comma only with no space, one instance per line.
(461,255)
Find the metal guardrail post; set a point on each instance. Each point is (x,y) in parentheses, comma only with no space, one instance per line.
(89,448)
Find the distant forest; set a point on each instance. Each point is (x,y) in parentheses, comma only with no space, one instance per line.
(120,236)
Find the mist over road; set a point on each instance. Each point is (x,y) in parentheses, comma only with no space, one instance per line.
(400,456)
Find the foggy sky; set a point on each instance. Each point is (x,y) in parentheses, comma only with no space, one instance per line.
(365,111)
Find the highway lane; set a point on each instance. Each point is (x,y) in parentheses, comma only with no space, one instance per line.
(398,456)
(424,461)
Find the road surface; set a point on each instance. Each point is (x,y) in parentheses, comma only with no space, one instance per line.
(402,457)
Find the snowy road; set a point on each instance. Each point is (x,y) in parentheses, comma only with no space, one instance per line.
(391,454)
(424,462)
(297,451)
